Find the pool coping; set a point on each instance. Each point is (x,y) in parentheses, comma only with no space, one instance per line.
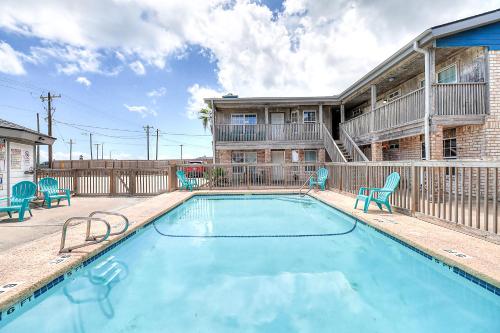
(25,293)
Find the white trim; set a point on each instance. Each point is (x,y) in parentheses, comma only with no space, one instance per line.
(314,150)
(315,117)
(244,114)
(445,68)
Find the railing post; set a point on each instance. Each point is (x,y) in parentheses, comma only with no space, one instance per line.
(414,189)
(112,182)
(132,181)
(172,178)
(75,180)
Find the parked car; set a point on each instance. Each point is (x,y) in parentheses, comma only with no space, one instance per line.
(195,169)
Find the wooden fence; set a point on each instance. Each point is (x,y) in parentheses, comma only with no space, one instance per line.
(120,164)
(114,182)
(462,193)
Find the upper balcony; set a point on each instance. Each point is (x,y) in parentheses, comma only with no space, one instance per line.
(305,134)
(465,102)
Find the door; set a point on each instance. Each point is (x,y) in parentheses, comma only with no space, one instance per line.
(335,124)
(277,126)
(277,157)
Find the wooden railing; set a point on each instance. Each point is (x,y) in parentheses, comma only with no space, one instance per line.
(449,99)
(269,132)
(460,98)
(248,176)
(352,148)
(102,182)
(331,147)
(465,194)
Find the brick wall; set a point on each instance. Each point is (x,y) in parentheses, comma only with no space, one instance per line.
(409,149)
(376,151)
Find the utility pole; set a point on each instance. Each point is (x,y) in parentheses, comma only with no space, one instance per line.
(50,110)
(181,152)
(71,143)
(97,149)
(102,151)
(37,146)
(147,128)
(157,135)
(91,146)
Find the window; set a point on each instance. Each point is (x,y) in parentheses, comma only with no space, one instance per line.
(422,147)
(394,144)
(393,95)
(295,156)
(244,157)
(310,156)
(448,74)
(356,112)
(294,117)
(450,143)
(309,116)
(421,84)
(244,119)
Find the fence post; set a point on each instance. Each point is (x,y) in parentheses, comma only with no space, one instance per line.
(132,178)
(75,180)
(112,182)
(414,189)
(172,178)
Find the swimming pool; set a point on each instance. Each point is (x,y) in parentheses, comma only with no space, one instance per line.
(362,281)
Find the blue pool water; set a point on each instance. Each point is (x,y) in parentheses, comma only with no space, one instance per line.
(359,282)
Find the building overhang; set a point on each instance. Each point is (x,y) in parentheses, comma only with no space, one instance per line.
(26,136)
(262,102)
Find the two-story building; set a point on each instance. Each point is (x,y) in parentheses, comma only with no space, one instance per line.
(438,97)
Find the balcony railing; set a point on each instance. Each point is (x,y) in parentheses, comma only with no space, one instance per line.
(457,99)
(269,132)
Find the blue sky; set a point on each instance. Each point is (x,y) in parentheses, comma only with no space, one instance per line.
(127,64)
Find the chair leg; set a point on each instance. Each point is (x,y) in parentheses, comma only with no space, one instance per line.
(49,203)
(356,204)
(10,215)
(367,204)
(388,207)
(21,215)
(29,210)
(379,206)
(58,201)
(69,200)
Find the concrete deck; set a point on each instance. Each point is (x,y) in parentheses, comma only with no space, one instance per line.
(48,221)
(33,265)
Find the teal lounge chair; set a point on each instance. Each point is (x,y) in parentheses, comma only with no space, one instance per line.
(51,191)
(186,183)
(379,195)
(320,180)
(22,194)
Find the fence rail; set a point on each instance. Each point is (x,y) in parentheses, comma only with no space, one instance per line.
(102,182)
(461,193)
(269,132)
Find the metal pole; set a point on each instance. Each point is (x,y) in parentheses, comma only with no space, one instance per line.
(102,151)
(37,146)
(157,135)
(91,157)
(181,152)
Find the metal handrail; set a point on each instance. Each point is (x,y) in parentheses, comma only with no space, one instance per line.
(305,183)
(125,227)
(63,249)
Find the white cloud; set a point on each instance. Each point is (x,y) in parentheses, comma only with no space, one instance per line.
(155,93)
(310,48)
(138,67)
(10,60)
(83,80)
(141,109)
(195,102)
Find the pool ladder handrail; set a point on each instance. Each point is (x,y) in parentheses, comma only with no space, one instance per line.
(91,240)
(100,212)
(305,183)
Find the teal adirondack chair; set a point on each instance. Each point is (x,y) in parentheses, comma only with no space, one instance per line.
(22,194)
(379,195)
(320,180)
(51,191)
(186,183)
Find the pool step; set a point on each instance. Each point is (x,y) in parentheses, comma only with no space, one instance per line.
(104,263)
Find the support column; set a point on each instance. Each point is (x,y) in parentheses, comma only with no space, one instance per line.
(436,143)
(373,105)
(266,114)
(342,113)
(267,156)
(377,154)
(320,113)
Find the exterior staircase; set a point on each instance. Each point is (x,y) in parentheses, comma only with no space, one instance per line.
(344,151)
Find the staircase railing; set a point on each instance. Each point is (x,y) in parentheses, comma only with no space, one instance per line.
(331,147)
(353,149)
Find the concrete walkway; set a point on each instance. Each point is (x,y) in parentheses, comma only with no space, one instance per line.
(48,221)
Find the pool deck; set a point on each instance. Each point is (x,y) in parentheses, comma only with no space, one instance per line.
(33,263)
